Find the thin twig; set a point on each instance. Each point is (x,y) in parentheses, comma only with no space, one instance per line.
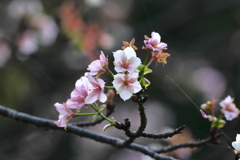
(163,135)
(188,144)
(41,122)
(143,121)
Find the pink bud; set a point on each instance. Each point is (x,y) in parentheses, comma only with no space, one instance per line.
(203,114)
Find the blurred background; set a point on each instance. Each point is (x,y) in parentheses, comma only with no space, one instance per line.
(46,45)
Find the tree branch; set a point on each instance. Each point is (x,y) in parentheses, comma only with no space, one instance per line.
(143,120)
(189,144)
(41,122)
(164,135)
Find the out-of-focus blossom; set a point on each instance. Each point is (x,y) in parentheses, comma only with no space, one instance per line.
(78,96)
(99,66)
(27,42)
(115,10)
(126,84)
(209,81)
(154,43)
(106,41)
(229,109)
(20,8)
(65,114)
(46,28)
(5,53)
(236,144)
(94,3)
(84,36)
(126,60)
(95,90)
(182,153)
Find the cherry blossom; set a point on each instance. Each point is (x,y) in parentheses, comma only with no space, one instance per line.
(65,114)
(126,84)
(154,43)
(126,60)
(229,109)
(78,96)
(95,90)
(99,66)
(236,144)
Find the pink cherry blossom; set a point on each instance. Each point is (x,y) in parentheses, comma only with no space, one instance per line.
(95,90)
(82,81)
(99,66)
(126,60)
(154,43)
(229,109)
(78,95)
(126,84)
(65,114)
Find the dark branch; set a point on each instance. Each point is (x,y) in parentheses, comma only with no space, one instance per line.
(164,135)
(41,122)
(143,120)
(189,144)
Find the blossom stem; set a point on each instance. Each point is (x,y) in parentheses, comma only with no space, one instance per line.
(146,59)
(95,107)
(145,62)
(111,74)
(85,114)
(150,62)
(108,119)
(109,87)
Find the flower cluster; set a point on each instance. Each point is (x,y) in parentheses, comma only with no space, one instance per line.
(229,111)
(128,80)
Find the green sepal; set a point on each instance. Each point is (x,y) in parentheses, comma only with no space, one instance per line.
(102,107)
(95,116)
(144,69)
(145,82)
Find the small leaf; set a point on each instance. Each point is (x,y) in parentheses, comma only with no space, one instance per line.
(102,107)
(144,69)
(107,126)
(95,117)
(145,82)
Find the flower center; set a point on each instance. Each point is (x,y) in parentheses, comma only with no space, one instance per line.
(229,109)
(126,83)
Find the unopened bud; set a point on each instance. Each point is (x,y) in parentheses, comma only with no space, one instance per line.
(118,125)
(127,123)
(110,96)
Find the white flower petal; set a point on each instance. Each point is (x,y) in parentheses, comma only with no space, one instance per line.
(125,95)
(130,52)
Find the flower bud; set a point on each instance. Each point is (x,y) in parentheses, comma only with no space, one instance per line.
(110,96)
(127,123)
